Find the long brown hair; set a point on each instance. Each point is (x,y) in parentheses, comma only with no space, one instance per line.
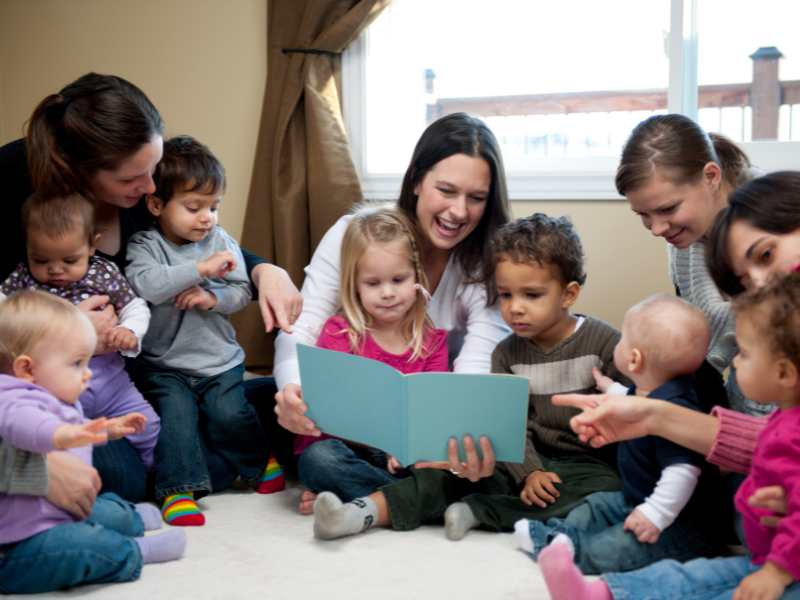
(92,124)
(459,133)
(679,148)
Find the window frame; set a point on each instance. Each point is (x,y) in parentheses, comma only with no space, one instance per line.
(561,178)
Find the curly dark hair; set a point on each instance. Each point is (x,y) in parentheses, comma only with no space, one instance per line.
(777,308)
(540,238)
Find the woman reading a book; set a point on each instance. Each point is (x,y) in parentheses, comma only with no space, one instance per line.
(454,191)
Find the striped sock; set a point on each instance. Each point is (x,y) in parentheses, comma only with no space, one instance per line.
(272,478)
(182,510)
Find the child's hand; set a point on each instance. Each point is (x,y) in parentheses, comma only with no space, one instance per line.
(393,465)
(768,583)
(195,297)
(129,424)
(641,527)
(601,381)
(218,264)
(85,434)
(540,488)
(121,338)
(772,498)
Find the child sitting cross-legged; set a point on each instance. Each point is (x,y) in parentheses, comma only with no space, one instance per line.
(191,367)
(538,273)
(660,512)
(768,371)
(45,347)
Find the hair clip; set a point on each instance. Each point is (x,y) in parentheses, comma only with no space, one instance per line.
(425,293)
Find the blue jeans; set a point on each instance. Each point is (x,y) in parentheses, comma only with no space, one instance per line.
(349,472)
(210,433)
(700,579)
(121,470)
(98,550)
(602,545)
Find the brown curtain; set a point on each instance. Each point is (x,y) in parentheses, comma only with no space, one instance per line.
(303,178)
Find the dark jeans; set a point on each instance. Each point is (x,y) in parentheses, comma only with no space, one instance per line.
(596,528)
(260,394)
(349,471)
(122,470)
(210,434)
(495,502)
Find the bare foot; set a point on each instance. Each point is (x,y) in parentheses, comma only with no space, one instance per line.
(306,504)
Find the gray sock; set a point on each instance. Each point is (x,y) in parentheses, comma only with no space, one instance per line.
(162,547)
(333,519)
(458,520)
(151,516)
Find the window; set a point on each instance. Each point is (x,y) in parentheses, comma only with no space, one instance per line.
(562,84)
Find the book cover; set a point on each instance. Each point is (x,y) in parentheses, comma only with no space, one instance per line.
(412,416)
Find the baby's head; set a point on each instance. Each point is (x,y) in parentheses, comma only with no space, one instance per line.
(60,236)
(768,335)
(663,337)
(47,341)
(538,273)
(382,281)
(190,182)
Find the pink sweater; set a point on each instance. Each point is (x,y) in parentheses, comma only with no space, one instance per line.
(776,462)
(735,443)
(334,337)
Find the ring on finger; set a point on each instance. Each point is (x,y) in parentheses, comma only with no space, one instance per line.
(454,472)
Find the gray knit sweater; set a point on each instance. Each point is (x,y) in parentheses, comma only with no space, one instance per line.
(566,368)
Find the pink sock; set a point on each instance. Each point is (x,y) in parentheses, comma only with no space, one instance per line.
(564,580)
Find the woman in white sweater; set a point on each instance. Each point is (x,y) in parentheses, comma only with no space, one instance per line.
(455,192)
(677,178)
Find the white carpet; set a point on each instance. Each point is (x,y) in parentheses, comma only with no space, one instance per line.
(257,547)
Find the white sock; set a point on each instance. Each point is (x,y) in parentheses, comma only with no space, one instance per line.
(333,519)
(162,547)
(458,520)
(522,536)
(151,516)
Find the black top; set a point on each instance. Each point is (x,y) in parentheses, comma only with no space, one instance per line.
(642,460)
(16,189)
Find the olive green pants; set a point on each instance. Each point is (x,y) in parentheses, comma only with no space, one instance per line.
(495,502)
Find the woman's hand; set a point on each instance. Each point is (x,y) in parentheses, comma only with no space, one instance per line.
(540,488)
(103,319)
(291,410)
(606,419)
(71,483)
(278,298)
(772,498)
(474,467)
(393,465)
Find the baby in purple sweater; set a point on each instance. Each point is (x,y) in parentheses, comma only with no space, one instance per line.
(45,347)
(60,236)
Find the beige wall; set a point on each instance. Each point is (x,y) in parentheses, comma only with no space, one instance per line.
(202,63)
(624,263)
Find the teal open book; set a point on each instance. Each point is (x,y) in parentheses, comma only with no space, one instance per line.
(412,416)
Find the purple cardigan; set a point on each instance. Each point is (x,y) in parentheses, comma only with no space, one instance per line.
(29,415)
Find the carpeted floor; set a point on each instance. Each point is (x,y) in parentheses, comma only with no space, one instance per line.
(257,547)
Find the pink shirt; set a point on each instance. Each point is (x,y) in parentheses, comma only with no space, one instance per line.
(334,337)
(776,462)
